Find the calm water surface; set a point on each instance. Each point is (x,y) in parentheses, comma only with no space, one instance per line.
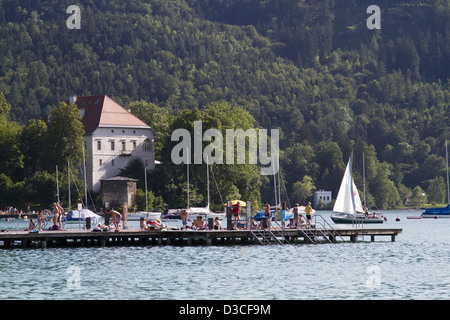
(416,266)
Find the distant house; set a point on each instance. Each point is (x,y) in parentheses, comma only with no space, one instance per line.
(322,198)
(113,136)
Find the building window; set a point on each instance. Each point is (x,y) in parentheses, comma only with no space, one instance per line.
(134,145)
(124,146)
(112,162)
(113,146)
(99,145)
(112,131)
(148,145)
(100,162)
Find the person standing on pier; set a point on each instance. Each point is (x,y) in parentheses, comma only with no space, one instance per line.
(308,210)
(184,218)
(40,217)
(115,218)
(58,213)
(296,220)
(267,214)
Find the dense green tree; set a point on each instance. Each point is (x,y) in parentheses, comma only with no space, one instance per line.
(65,135)
(303,190)
(437,190)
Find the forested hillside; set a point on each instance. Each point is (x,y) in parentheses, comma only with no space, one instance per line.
(310,68)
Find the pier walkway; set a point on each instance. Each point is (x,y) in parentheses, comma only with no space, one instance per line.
(134,237)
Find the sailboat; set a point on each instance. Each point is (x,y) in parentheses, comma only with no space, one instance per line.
(144,214)
(445,211)
(348,207)
(80,215)
(275,209)
(204,212)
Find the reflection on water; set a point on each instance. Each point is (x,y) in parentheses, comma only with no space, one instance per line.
(416,266)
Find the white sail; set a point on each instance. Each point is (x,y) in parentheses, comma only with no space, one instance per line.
(348,200)
(358,204)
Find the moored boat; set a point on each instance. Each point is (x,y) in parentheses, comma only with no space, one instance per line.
(445,211)
(348,208)
(143,214)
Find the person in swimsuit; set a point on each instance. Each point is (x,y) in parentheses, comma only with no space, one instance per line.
(115,218)
(40,218)
(184,217)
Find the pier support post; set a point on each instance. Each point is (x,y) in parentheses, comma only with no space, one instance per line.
(229,221)
(125,215)
(210,223)
(248,212)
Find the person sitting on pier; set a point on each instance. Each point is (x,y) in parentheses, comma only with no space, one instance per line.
(101,227)
(217,225)
(32,226)
(198,224)
(142,224)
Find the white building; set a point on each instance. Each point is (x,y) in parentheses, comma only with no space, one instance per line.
(113,137)
(322,197)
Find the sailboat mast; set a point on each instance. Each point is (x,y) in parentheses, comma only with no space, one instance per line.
(207,176)
(352,191)
(364,179)
(274,181)
(85,183)
(146,197)
(187,163)
(57,184)
(448,184)
(68,182)
(279,182)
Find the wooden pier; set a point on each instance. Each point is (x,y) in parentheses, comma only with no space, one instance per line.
(133,237)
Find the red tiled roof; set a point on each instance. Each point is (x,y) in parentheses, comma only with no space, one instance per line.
(101,110)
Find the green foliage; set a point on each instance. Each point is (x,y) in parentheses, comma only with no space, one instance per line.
(437,190)
(140,200)
(65,135)
(303,190)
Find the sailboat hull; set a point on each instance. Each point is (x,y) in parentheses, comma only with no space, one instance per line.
(350,219)
(146,215)
(437,212)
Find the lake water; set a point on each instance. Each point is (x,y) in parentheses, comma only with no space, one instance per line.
(415,266)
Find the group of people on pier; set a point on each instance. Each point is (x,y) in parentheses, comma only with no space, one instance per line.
(296,221)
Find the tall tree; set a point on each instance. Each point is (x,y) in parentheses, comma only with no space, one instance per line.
(65,136)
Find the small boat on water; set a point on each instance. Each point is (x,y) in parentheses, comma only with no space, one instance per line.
(437,212)
(171,214)
(204,212)
(445,211)
(143,214)
(348,208)
(78,216)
